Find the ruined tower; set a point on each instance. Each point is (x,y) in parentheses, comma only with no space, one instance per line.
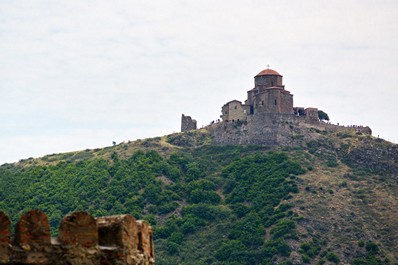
(187,123)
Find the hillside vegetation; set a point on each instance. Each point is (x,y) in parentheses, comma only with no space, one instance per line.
(332,200)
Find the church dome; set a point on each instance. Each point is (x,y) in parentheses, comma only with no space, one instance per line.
(268,72)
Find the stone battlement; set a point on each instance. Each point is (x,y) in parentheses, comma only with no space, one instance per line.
(82,240)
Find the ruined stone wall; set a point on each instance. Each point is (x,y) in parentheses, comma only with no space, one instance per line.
(82,240)
(311,115)
(187,123)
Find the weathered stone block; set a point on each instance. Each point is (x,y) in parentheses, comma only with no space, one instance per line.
(117,230)
(33,229)
(117,239)
(5,238)
(144,238)
(78,228)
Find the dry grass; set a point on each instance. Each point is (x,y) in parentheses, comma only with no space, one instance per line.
(344,209)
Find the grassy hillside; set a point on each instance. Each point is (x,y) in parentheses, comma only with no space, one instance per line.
(330,201)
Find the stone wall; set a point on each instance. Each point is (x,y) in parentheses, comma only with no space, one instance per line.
(273,100)
(275,129)
(260,128)
(82,240)
(187,123)
(311,115)
(268,80)
(234,111)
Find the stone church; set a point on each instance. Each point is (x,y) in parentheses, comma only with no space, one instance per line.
(267,96)
(268,117)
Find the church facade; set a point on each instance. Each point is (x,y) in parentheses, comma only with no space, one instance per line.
(268,96)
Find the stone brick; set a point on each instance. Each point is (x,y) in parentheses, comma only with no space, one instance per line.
(33,229)
(151,244)
(5,238)
(5,228)
(235,111)
(117,230)
(144,238)
(78,228)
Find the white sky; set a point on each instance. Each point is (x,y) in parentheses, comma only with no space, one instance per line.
(80,74)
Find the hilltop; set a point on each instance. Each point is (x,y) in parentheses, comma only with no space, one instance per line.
(269,183)
(331,198)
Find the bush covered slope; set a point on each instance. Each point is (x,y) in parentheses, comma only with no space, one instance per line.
(317,203)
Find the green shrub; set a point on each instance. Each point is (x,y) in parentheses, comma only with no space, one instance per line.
(240,209)
(167,208)
(205,211)
(229,250)
(172,248)
(249,230)
(193,171)
(372,248)
(332,162)
(204,196)
(332,257)
(177,237)
(274,247)
(310,248)
(305,258)
(305,247)
(201,184)
(284,229)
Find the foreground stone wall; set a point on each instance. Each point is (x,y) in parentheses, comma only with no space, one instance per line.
(82,240)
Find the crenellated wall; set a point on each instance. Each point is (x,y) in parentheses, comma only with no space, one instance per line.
(82,240)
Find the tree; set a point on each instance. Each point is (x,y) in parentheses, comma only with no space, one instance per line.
(323,116)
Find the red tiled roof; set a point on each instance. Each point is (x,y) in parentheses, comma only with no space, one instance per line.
(268,72)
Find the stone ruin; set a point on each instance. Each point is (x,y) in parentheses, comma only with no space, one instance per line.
(187,123)
(82,240)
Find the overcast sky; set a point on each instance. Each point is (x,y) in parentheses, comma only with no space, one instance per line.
(80,74)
